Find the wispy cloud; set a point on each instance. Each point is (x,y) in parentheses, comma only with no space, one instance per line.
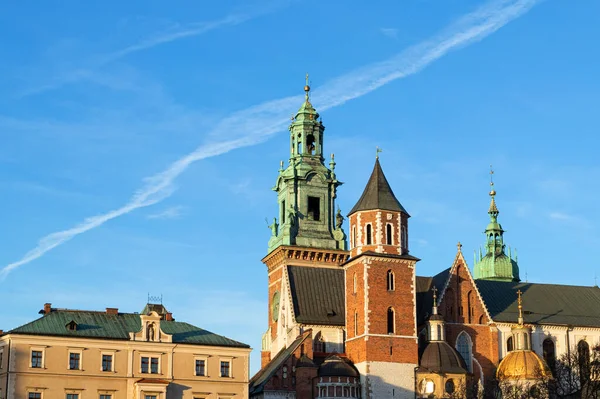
(256,124)
(389,32)
(173,212)
(173,33)
(561,216)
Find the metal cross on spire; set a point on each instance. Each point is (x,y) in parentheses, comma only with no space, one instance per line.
(520,303)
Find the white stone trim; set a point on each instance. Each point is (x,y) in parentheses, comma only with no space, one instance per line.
(76,351)
(201,357)
(228,359)
(112,363)
(37,349)
(151,355)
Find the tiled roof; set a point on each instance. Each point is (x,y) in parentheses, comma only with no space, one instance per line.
(318,295)
(378,194)
(542,303)
(257,383)
(117,326)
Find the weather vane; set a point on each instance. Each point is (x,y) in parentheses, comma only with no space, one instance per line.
(377,151)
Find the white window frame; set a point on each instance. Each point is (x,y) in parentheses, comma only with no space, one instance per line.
(226,359)
(35,390)
(37,349)
(111,393)
(112,363)
(80,352)
(205,358)
(73,391)
(150,356)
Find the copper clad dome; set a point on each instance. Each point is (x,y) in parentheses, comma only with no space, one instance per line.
(439,357)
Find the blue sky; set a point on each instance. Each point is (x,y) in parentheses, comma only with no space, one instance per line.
(165,125)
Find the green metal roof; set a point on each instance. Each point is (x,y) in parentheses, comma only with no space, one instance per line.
(542,303)
(101,325)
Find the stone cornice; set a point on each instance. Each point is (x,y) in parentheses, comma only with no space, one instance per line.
(302,256)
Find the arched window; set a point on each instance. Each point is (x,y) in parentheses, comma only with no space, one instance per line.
(353,236)
(355,324)
(481,319)
(449,302)
(390,321)
(390,281)
(368,233)
(354,281)
(583,360)
(439,332)
(404,238)
(509,344)
(310,144)
(449,387)
(469,306)
(463,346)
(389,234)
(525,341)
(549,353)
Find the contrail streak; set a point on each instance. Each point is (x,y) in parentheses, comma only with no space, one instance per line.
(251,121)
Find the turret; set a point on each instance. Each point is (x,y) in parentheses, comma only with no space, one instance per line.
(378,222)
(495,264)
(306,189)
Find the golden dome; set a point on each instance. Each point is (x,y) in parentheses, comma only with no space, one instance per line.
(522,365)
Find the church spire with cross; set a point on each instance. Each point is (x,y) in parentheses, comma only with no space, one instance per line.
(495,264)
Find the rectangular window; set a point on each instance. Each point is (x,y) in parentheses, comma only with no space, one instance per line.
(36,360)
(283,212)
(200,367)
(34,395)
(145,364)
(72,396)
(1,360)
(74,359)
(154,365)
(314,208)
(149,396)
(105,396)
(107,362)
(225,369)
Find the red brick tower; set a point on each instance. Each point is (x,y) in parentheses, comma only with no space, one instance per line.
(380,293)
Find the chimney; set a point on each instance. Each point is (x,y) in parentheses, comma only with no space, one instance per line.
(47,308)
(169,316)
(1,332)
(114,311)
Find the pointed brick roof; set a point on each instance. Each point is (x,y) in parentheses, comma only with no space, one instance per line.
(378,194)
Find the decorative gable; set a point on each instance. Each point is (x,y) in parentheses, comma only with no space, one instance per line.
(151,330)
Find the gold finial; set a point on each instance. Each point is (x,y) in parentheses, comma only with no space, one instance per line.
(435,290)
(306,88)
(377,151)
(520,302)
(492,191)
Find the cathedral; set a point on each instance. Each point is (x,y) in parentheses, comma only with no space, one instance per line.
(350,316)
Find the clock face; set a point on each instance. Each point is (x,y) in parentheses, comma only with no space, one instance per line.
(275,306)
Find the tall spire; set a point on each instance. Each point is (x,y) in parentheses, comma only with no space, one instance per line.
(495,265)
(520,305)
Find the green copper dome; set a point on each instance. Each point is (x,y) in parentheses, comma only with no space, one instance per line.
(495,264)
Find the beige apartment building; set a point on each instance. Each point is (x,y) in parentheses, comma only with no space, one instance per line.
(73,354)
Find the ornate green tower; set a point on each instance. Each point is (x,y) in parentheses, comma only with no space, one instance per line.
(495,265)
(306,189)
